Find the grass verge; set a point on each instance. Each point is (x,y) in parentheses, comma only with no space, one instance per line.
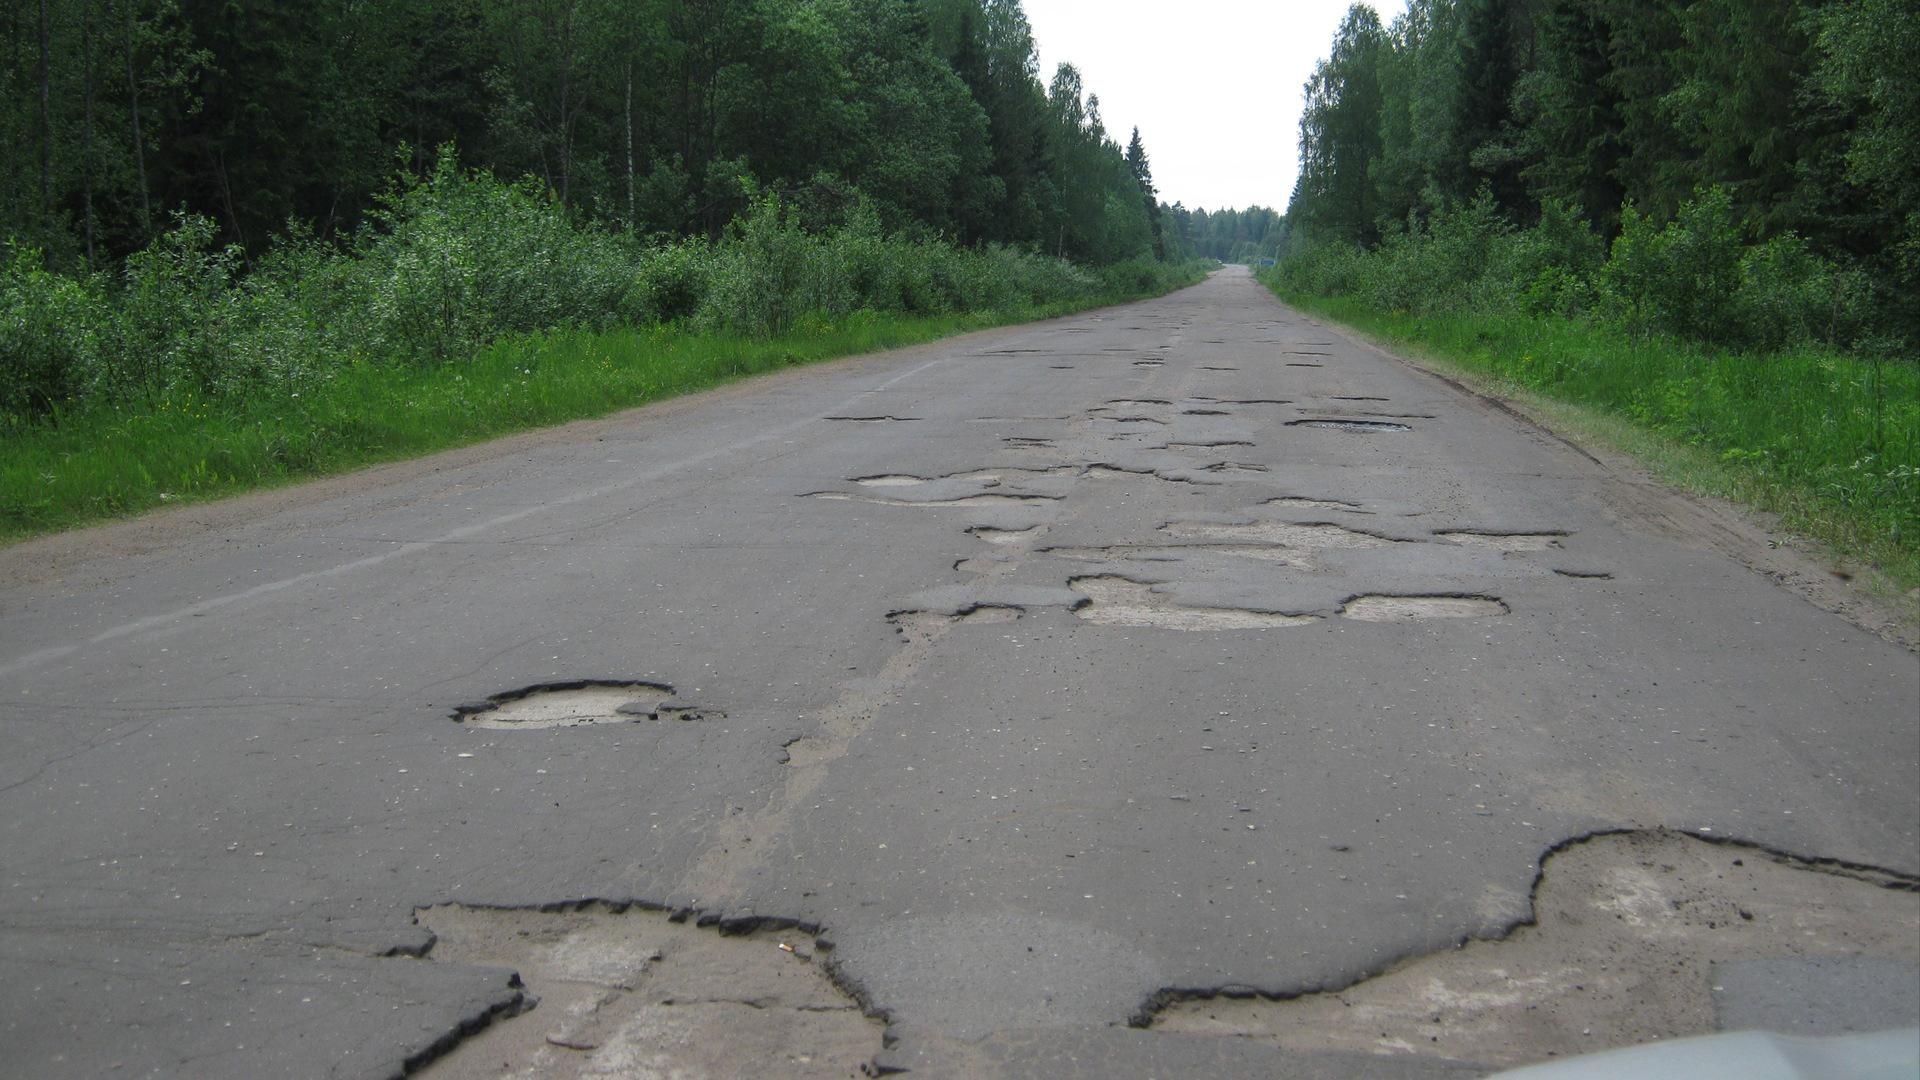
(108,462)
(1828,442)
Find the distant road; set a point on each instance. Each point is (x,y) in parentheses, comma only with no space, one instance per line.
(1054,674)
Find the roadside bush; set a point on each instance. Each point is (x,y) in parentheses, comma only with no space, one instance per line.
(49,333)
(468,257)
(1789,296)
(1677,279)
(175,314)
(669,283)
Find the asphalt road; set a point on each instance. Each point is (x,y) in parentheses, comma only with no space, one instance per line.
(1052,674)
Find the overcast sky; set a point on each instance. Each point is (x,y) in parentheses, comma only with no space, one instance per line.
(1213,85)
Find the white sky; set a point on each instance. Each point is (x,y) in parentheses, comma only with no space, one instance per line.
(1213,85)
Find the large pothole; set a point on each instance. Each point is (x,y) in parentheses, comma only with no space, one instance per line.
(1304,535)
(577,704)
(1381,608)
(1118,601)
(628,992)
(1505,541)
(1636,936)
(1362,426)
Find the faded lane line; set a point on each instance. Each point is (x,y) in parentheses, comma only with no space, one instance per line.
(135,626)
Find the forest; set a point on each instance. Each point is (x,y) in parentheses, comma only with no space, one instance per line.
(246,240)
(653,116)
(1699,219)
(1769,150)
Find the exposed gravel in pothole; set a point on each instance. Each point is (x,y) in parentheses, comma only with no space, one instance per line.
(632,993)
(1118,601)
(1379,608)
(575,704)
(1178,552)
(965,500)
(1361,426)
(1298,503)
(993,535)
(1313,535)
(1499,541)
(1630,930)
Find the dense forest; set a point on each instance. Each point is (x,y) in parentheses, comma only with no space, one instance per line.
(658,116)
(1237,236)
(1771,146)
(223,199)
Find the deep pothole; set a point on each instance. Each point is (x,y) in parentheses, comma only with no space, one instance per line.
(578,703)
(622,991)
(1634,937)
(1117,601)
(1362,426)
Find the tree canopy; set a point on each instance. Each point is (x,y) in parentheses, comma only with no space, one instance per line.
(658,116)
(1800,110)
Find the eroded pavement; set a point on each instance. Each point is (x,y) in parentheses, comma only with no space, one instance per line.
(1171,688)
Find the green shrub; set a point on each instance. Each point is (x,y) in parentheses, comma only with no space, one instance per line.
(669,283)
(49,333)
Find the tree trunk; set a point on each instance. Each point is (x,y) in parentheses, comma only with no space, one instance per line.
(86,132)
(139,138)
(46,110)
(632,216)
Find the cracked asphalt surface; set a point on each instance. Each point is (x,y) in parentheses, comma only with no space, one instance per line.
(1051,674)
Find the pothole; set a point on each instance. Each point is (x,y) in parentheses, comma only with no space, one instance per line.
(1234,467)
(990,499)
(1499,541)
(1310,535)
(1103,471)
(622,991)
(1381,608)
(1217,367)
(883,419)
(1360,397)
(890,480)
(1306,365)
(1585,575)
(1205,412)
(1178,552)
(1298,503)
(577,704)
(1208,444)
(1364,426)
(1634,937)
(1118,601)
(993,535)
(922,625)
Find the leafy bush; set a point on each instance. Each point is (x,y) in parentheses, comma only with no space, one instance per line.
(49,332)
(669,283)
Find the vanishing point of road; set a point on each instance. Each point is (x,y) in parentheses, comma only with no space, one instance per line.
(1161,690)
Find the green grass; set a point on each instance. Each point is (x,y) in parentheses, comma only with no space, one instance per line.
(109,462)
(1830,442)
